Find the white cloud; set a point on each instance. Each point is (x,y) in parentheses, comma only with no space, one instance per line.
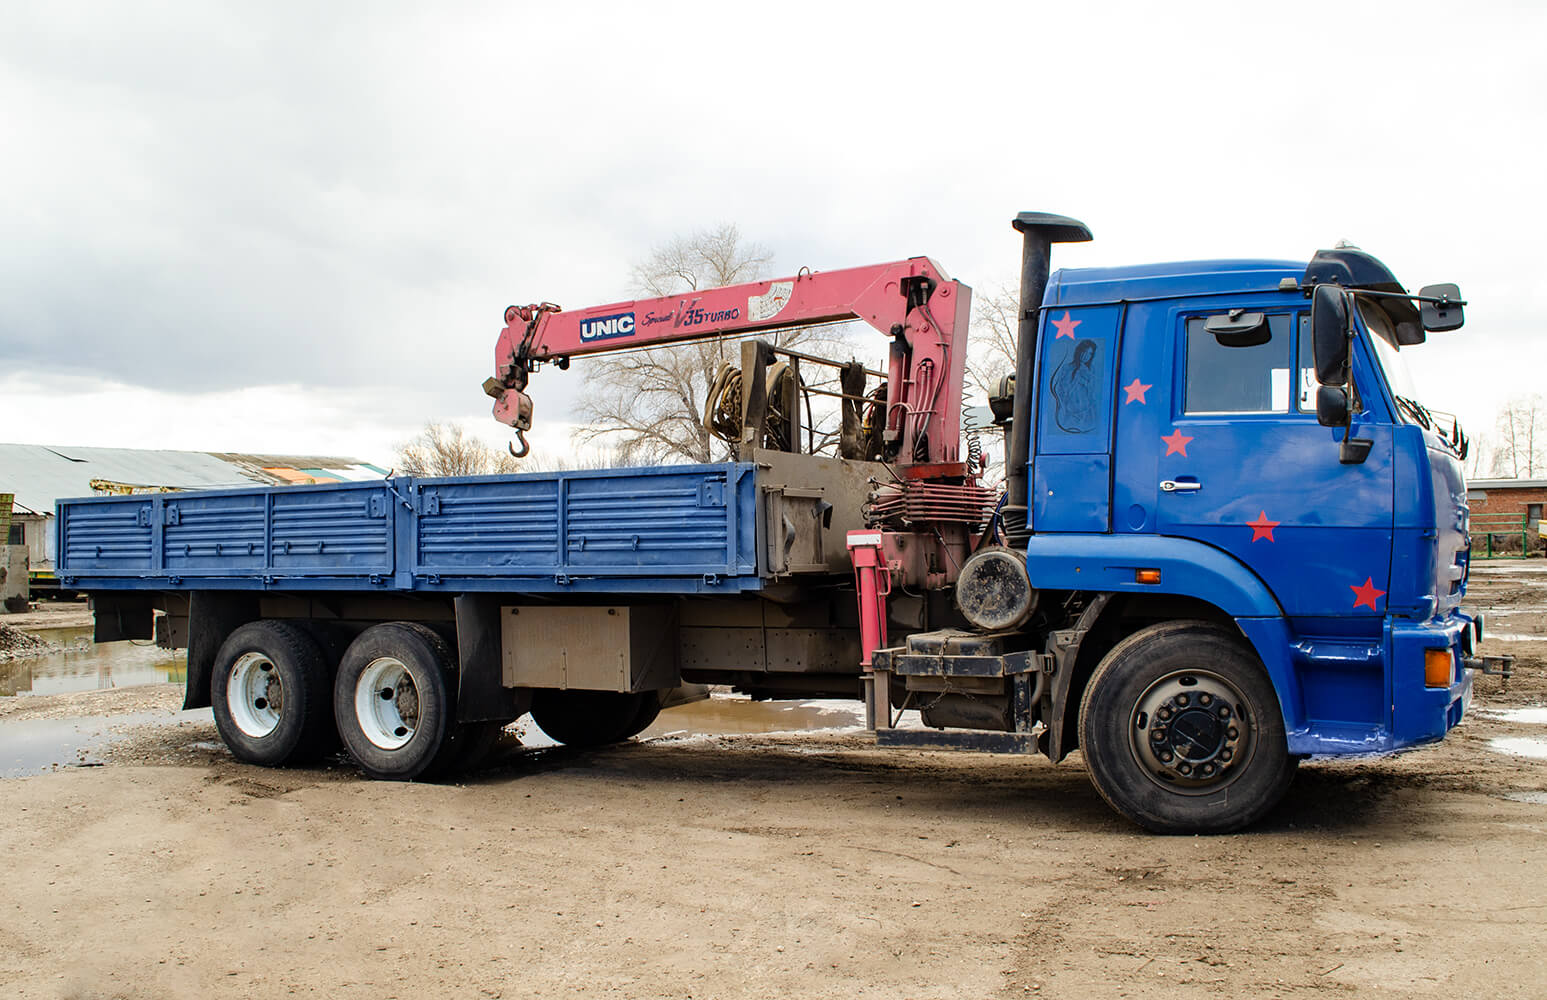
(319,213)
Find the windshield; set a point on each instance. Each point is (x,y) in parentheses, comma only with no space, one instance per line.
(1390,358)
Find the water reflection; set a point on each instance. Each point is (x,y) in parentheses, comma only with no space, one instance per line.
(86,666)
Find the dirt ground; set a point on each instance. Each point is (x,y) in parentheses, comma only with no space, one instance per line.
(759,866)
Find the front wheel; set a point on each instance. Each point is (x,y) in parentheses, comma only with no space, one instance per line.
(1182,731)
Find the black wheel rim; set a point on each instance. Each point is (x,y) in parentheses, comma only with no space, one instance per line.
(1191,732)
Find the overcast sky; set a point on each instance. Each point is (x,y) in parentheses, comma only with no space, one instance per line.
(294,227)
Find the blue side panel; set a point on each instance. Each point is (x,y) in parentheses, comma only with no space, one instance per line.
(1069,493)
(500,526)
(221,531)
(672,530)
(673,520)
(342,531)
(109,535)
(1071,471)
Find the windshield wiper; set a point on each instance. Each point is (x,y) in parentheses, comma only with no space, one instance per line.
(1421,416)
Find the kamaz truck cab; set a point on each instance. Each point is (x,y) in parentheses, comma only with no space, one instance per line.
(1217,451)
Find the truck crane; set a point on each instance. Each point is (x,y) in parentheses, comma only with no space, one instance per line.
(1230,538)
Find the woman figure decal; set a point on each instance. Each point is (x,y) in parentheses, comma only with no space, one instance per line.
(1074,389)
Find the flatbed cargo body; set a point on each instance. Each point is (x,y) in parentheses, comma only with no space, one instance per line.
(678,530)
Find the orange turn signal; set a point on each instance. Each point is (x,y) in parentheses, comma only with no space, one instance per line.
(1146,576)
(1438,668)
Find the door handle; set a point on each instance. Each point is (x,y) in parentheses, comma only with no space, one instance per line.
(1172,486)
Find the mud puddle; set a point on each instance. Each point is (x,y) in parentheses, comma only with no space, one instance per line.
(85,666)
(1520,746)
(35,746)
(1532,716)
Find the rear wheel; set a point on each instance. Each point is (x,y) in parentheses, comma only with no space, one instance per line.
(1182,731)
(591,718)
(475,740)
(392,700)
(269,695)
(649,709)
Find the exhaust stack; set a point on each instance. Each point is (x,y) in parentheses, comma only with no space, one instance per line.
(1039,231)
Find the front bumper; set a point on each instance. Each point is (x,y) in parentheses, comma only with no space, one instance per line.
(1422,714)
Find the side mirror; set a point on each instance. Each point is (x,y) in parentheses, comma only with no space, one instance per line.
(1329,336)
(1332,406)
(1332,411)
(1239,328)
(1438,317)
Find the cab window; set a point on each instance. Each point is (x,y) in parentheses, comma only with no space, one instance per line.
(1273,377)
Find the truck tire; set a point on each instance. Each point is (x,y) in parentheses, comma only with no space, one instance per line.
(269,694)
(475,740)
(589,718)
(392,699)
(649,709)
(1182,731)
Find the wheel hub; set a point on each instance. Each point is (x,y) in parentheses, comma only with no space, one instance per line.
(1190,731)
(255,695)
(387,703)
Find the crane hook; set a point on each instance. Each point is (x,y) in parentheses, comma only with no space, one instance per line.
(525,448)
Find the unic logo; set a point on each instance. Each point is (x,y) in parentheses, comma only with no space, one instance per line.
(604,327)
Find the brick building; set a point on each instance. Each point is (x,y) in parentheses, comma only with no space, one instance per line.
(1493,500)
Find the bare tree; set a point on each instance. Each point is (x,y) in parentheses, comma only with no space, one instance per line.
(991,342)
(648,404)
(1521,450)
(448,450)
(1479,456)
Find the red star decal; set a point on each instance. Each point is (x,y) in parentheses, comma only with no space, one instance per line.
(1136,391)
(1066,326)
(1176,443)
(1366,594)
(1262,527)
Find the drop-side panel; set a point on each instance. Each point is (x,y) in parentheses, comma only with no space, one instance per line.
(110,536)
(343,531)
(221,531)
(678,521)
(489,525)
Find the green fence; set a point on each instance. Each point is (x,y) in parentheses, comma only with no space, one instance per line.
(1505,526)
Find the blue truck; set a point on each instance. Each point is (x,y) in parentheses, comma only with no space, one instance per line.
(1229,537)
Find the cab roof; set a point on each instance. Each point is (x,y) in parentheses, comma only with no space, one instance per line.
(1091,285)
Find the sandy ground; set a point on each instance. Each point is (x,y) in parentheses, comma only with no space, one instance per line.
(758,866)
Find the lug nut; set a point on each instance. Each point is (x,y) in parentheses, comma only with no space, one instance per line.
(1205,699)
(1224,711)
(1183,700)
(1158,735)
(1226,754)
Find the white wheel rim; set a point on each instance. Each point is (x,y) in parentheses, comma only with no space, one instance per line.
(255,695)
(387,703)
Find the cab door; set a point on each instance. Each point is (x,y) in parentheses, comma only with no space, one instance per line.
(1242,465)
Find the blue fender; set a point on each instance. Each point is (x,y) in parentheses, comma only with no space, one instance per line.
(1188,568)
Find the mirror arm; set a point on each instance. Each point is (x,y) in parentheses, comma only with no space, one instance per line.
(1443,300)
